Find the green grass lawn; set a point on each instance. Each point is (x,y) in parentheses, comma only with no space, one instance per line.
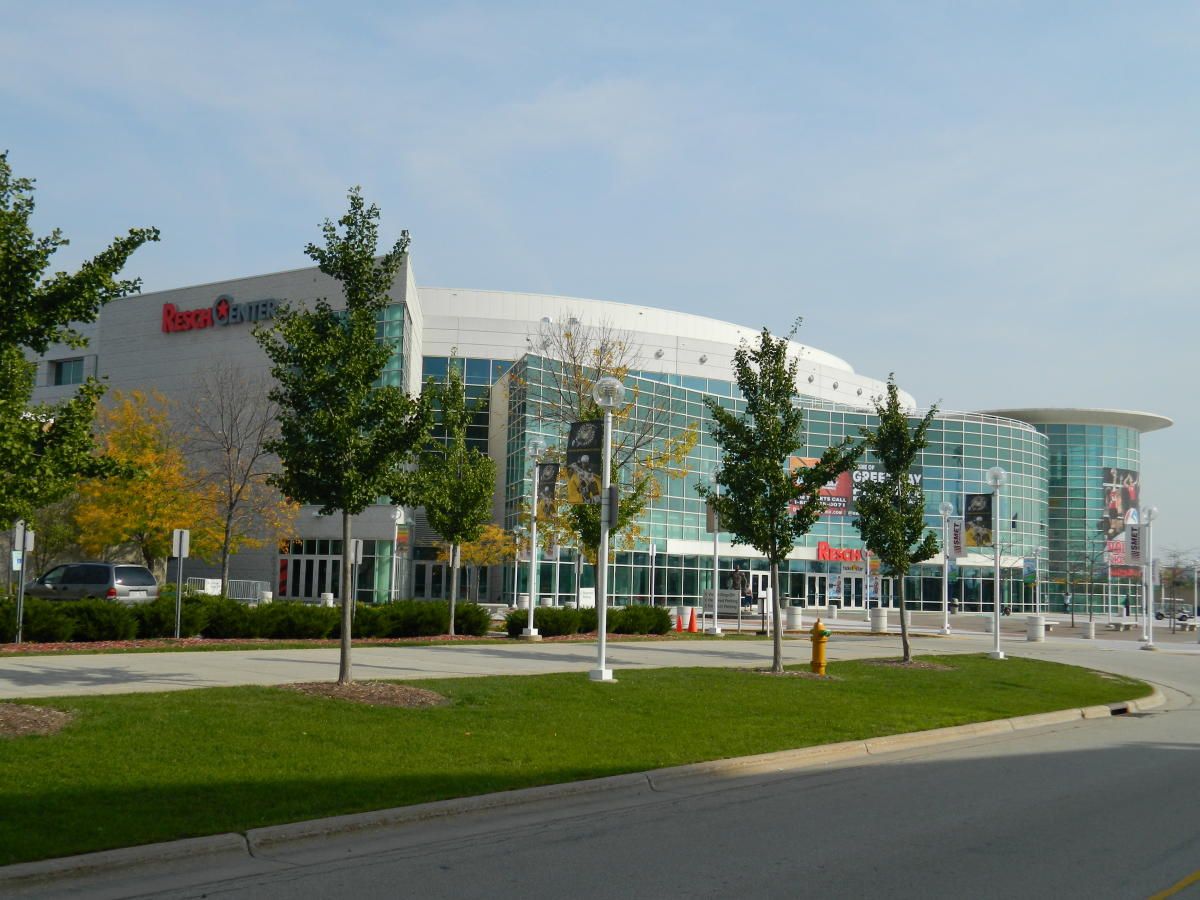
(139,768)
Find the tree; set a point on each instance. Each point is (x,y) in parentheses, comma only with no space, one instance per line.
(761,503)
(493,547)
(45,449)
(230,420)
(643,445)
(139,509)
(343,436)
(456,481)
(891,511)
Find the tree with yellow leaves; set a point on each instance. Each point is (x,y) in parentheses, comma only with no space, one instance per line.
(138,512)
(493,547)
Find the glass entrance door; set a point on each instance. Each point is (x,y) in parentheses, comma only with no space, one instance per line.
(816,590)
(853,595)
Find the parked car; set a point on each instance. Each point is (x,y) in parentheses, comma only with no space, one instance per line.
(1176,608)
(110,581)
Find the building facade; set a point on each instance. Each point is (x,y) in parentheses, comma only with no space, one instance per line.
(1072,474)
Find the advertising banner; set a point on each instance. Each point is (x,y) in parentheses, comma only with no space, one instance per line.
(838,495)
(1122,488)
(1114,558)
(1029,570)
(1133,544)
(956,537)
(547,481)
(978,520)
(583,461)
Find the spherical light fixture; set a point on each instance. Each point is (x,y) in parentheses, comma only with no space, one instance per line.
(996,477)
(608,392)
(946,508)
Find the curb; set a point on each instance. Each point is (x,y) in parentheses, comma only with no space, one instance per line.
(257,840)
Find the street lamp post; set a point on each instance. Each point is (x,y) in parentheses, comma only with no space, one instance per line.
(996,477)
(1148,516)
(608,392)
(716,568)
(653,551)
(945,509)
(535,450)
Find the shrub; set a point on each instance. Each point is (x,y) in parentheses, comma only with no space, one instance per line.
(414,618)
(550,621)
(102,620)
(588,619)
(641,620)
(225,618)
(472,619)
(295,620)
(45,621)
(8,620)
(366,622)
(157,619)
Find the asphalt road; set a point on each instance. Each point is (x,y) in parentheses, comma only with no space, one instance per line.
(1095,808)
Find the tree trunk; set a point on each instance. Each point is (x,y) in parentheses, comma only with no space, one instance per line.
(453,584)
(225,559)
(903,620)
(345,673)
(776,622)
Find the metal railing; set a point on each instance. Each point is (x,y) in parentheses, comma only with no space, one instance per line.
(235,588)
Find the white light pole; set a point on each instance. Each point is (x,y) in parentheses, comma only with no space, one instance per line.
(1148,516)
(535,450)
(996,478)
(945,509)
(609,393)
(517,567)
(716,569)
(653,551)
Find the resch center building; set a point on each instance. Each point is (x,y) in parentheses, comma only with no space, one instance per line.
(1073,475)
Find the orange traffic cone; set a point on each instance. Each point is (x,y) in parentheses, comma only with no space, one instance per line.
(692,623)
(678,621)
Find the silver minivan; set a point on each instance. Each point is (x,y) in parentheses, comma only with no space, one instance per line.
(108,581)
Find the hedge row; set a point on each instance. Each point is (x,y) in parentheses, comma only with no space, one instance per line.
(551,621)
(217,617)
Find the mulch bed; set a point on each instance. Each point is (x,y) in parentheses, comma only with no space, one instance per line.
(901,664)
(371,693)
(797,673)
(21,720)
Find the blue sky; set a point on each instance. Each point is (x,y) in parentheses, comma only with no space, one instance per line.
(995,201)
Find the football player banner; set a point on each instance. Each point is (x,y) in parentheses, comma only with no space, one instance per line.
(978,520)
(547,482)
(583,461)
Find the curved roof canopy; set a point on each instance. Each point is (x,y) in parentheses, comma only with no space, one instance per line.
(1124,418)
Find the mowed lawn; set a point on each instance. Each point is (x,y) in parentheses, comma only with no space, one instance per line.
(140,768)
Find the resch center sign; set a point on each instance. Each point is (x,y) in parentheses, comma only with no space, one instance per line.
(224,311)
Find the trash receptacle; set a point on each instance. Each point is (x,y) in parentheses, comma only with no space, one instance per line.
(1035,628)
(265,596)
(522,601)
(327,599)
(879,619)
(795,618)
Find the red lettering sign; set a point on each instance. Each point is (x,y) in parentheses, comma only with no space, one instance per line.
(825,553)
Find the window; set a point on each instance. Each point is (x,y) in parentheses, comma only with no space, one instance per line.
(67,371)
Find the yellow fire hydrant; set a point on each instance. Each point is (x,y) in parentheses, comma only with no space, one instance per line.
(820,637)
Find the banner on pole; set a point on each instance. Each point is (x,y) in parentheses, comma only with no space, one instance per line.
(978,520)
(956,537)
(583,461)
(1133,544)
(1029,570)
(547,483)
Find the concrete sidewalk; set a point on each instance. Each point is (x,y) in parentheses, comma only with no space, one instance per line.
(68,675)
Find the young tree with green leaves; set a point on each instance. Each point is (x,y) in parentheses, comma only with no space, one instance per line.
(891,512)
(760,502)
(343,437)
(45,449)
(456,482)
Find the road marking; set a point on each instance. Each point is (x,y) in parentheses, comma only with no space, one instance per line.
(1177,887)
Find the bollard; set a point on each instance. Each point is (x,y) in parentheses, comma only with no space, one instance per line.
(1089,631)
(1035,628)
(327,599)
(879,620)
